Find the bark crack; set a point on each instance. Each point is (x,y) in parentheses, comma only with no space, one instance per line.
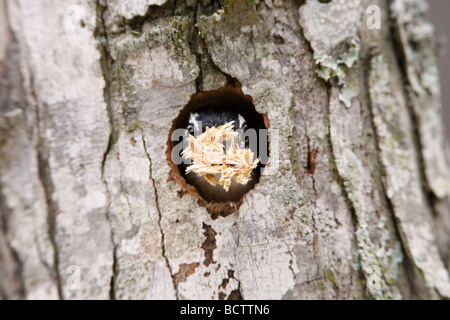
(193,44)
(291,262)
(163,245)
(204,58)
(44,173)
(106,65)
(309,169)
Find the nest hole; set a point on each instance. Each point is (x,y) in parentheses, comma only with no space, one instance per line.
(230,98)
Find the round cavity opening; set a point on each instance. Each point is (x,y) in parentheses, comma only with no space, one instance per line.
(209,109)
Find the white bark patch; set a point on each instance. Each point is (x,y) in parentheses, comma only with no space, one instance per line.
(24,194)
(132,8)
(416,36)
(68,91)
(264,261)
(402,181)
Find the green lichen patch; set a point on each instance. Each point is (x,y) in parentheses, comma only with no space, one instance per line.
(379,263)
(338,67)
(331,29)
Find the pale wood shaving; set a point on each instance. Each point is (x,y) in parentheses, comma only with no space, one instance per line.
(210,158)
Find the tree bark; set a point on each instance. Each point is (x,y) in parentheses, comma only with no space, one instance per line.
(358,207)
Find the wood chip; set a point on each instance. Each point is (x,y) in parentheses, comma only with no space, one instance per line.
(210,157)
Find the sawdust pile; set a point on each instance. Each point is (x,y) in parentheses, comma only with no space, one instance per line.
(209,157)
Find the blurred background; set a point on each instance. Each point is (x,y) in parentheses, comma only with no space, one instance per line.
(439,15)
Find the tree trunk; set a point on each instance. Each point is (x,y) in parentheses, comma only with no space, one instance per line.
(357,208)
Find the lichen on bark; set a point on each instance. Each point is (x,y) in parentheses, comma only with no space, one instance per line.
(341,211)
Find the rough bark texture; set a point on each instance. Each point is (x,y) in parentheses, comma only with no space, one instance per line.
(358,207)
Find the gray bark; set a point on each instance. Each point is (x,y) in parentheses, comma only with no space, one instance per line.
(357,209)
